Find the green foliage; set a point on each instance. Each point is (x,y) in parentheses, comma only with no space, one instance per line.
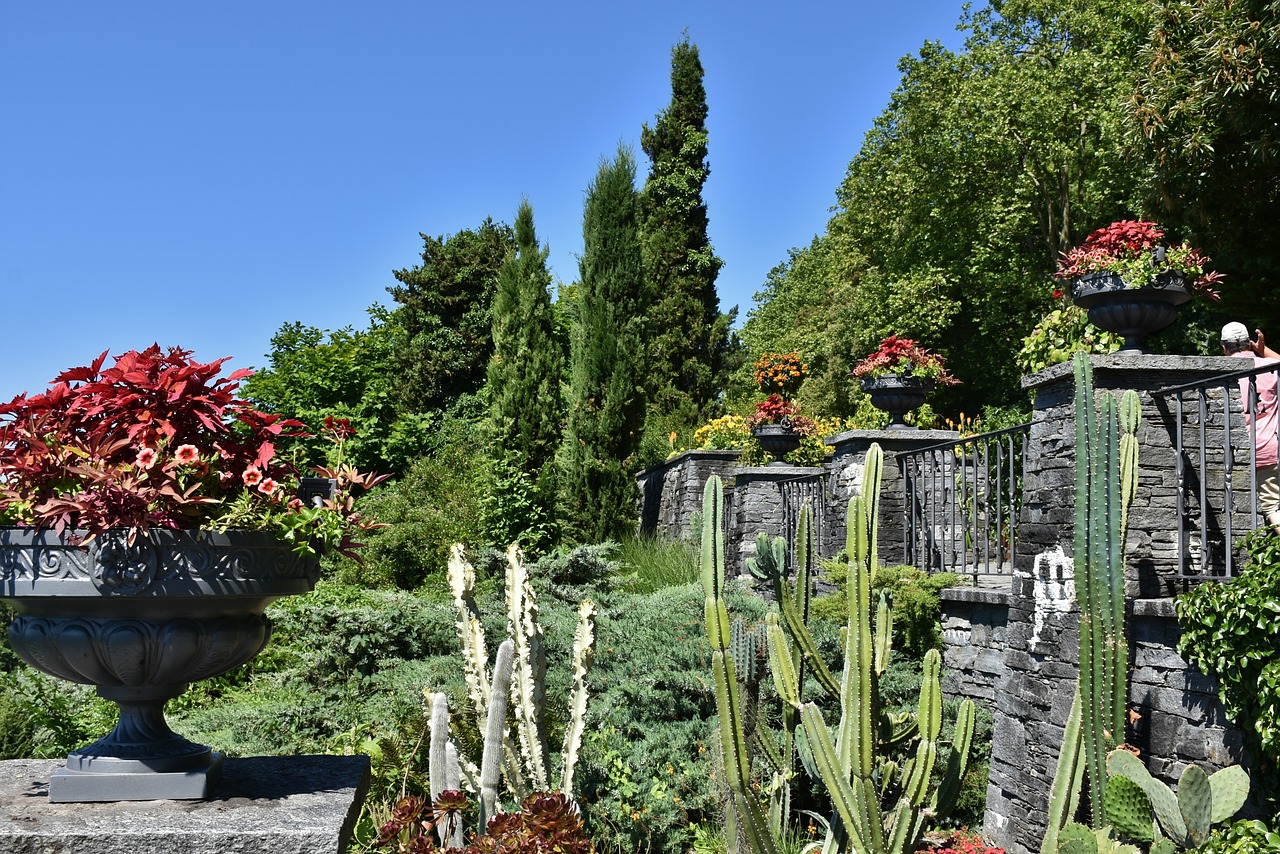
(514,509)
(1205,115)
(1062,332)
(526,406)
(607,408)
(1242,837)
(349,374)
(45,718)
(913,593)
(1184,819)
(1227,633)
(436,503)
(688,339)
(447,317)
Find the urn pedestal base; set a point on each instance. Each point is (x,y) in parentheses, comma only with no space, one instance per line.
(105,779)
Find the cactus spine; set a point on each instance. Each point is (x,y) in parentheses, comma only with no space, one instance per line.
(1106,478)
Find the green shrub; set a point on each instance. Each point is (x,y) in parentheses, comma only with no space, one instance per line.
(917,608)
(1228,632)
(1242,837)
(435,504)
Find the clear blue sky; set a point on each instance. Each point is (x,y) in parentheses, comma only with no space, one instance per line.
(200,174)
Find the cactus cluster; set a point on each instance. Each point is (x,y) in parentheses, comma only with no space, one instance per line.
(879,806)
(1184,819)
(516,680)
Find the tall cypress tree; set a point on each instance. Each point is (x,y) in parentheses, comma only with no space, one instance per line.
(690,338)
(524,389)
(607,403)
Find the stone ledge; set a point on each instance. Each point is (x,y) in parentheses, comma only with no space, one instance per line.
(727,456)
(275,804)
(982,595)
(777,472)
(1155,608)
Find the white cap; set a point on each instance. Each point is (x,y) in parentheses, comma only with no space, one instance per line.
(1235,333)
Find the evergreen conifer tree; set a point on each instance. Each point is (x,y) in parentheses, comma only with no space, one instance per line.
(526,408)
(606,400)
(689,337)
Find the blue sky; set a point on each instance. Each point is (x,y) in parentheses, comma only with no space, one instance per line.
(200,174)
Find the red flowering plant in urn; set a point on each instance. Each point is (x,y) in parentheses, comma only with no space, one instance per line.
(1134,251)
(1131,283)
(158,440)
(903,357)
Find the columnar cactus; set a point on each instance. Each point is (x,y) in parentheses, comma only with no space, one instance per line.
(524,686)
(1106,478)
(849,767)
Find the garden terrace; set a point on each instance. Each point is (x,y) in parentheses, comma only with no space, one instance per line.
(1000,509)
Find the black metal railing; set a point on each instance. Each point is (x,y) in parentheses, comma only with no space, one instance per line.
(961,503)
(1215,465)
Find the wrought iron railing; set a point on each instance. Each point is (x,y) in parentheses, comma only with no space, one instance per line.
(961,503)
(1215,464)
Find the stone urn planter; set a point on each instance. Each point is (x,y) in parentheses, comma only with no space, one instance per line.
(777,439)
(1133,313)
(140,622)
(897,395)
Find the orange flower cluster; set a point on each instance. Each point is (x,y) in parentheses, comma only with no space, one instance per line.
(780,373)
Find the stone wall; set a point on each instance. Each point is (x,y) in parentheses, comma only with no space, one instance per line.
(975,625)
(1179,717)
(768,498)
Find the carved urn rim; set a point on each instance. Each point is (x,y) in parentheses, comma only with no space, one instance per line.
(163,564)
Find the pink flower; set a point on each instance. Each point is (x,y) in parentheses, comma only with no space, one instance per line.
(295,504)
(146,458)
(267,486)
(186,454)
(252,476)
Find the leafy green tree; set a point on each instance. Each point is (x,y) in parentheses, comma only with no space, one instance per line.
(607,371)
(447,314)
(349,374)
(985,165)
(689,337)
(1207,111)
(526,406)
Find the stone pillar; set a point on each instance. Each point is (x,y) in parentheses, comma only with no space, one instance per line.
(768,499)
(1041,663)
(671,493)
(849,450)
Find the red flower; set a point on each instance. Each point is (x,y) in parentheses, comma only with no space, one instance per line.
(252,476)
(186,454)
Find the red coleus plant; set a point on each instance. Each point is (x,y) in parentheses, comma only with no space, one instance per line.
(155,440)
(903,357)
(778,410)
(1134,250)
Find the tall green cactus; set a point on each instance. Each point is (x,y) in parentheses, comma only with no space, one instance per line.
(1106,479)
(866,818)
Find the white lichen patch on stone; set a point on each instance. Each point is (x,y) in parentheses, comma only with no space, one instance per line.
(1054,587)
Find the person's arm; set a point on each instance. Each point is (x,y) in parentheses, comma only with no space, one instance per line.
(1260,347)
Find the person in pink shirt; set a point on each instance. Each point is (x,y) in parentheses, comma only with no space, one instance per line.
(1235,342)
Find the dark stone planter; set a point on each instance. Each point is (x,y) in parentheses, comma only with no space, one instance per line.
(140,622)
(777,439)
(897,396)
(1134,313)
